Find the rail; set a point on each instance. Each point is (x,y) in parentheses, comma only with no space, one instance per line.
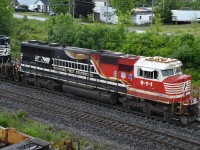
(116,126)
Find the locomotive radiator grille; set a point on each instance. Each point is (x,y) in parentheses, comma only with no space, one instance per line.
(177,88)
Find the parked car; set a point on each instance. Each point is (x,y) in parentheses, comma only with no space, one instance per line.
(52,13)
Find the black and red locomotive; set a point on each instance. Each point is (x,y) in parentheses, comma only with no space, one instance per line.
(154,85)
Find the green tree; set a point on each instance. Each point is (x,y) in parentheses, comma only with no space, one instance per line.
(61,29)
(84,8)
(123,8)
(60,6)
(142,3)
(157,23)
(25,7)
(6,16)
(165,8)
(193,5)
(195,25)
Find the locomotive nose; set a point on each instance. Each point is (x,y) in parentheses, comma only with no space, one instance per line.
(179,78)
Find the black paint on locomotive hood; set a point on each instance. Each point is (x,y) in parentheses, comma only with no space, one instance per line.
(32,50)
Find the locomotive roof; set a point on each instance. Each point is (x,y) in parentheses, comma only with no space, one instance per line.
(155,63)
(118,55)
(56,46)
(81,50)
(37,44)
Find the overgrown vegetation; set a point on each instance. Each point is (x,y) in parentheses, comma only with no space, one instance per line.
(6,16)
(184,47)
(62,29)
(26,125)
(25,29)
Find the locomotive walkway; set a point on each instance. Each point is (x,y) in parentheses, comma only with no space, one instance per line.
(116,126)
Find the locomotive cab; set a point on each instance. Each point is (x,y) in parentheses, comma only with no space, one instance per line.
(160,80)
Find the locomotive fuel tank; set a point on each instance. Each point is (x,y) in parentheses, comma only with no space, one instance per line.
(89,92)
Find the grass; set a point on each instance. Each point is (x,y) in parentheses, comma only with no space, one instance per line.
(173,29)
(26,125)
(184,28)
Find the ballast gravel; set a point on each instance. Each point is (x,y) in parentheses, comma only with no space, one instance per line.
(107,139)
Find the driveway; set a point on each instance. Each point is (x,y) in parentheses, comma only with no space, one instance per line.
(29,17)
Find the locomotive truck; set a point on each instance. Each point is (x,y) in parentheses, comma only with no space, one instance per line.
(152,85)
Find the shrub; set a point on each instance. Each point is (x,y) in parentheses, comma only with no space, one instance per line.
(4,122)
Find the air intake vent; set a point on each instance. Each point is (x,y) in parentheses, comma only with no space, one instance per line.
(33,41)
(54,44)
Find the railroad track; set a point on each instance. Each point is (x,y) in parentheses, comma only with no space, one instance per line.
(113,125)
(187,127)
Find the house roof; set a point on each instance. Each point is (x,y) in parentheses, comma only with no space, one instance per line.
(45,2)
(16,1)
(142,9)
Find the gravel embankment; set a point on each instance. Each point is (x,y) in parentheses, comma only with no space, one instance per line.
(115,141)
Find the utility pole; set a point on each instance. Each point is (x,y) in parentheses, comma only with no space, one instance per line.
(107,11)
(69,5)
(163,5)
(73,7)
(152,14)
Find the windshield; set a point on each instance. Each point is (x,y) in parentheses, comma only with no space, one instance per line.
(167,72)
(177,70)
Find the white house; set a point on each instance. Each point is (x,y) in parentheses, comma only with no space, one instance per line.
(107,15)
(32,7)
(97,9)
(42,5)
(142,16)
(15,4)
(103,12)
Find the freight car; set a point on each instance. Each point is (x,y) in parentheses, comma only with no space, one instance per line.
(153,85)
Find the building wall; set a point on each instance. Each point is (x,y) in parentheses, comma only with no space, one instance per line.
(99,4)
(111,17)
(140,19)
(100,14)
(41,7)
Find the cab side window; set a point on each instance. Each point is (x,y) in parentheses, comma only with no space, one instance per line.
(147,74)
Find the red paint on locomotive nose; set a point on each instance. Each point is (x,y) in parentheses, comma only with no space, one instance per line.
(177,78)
